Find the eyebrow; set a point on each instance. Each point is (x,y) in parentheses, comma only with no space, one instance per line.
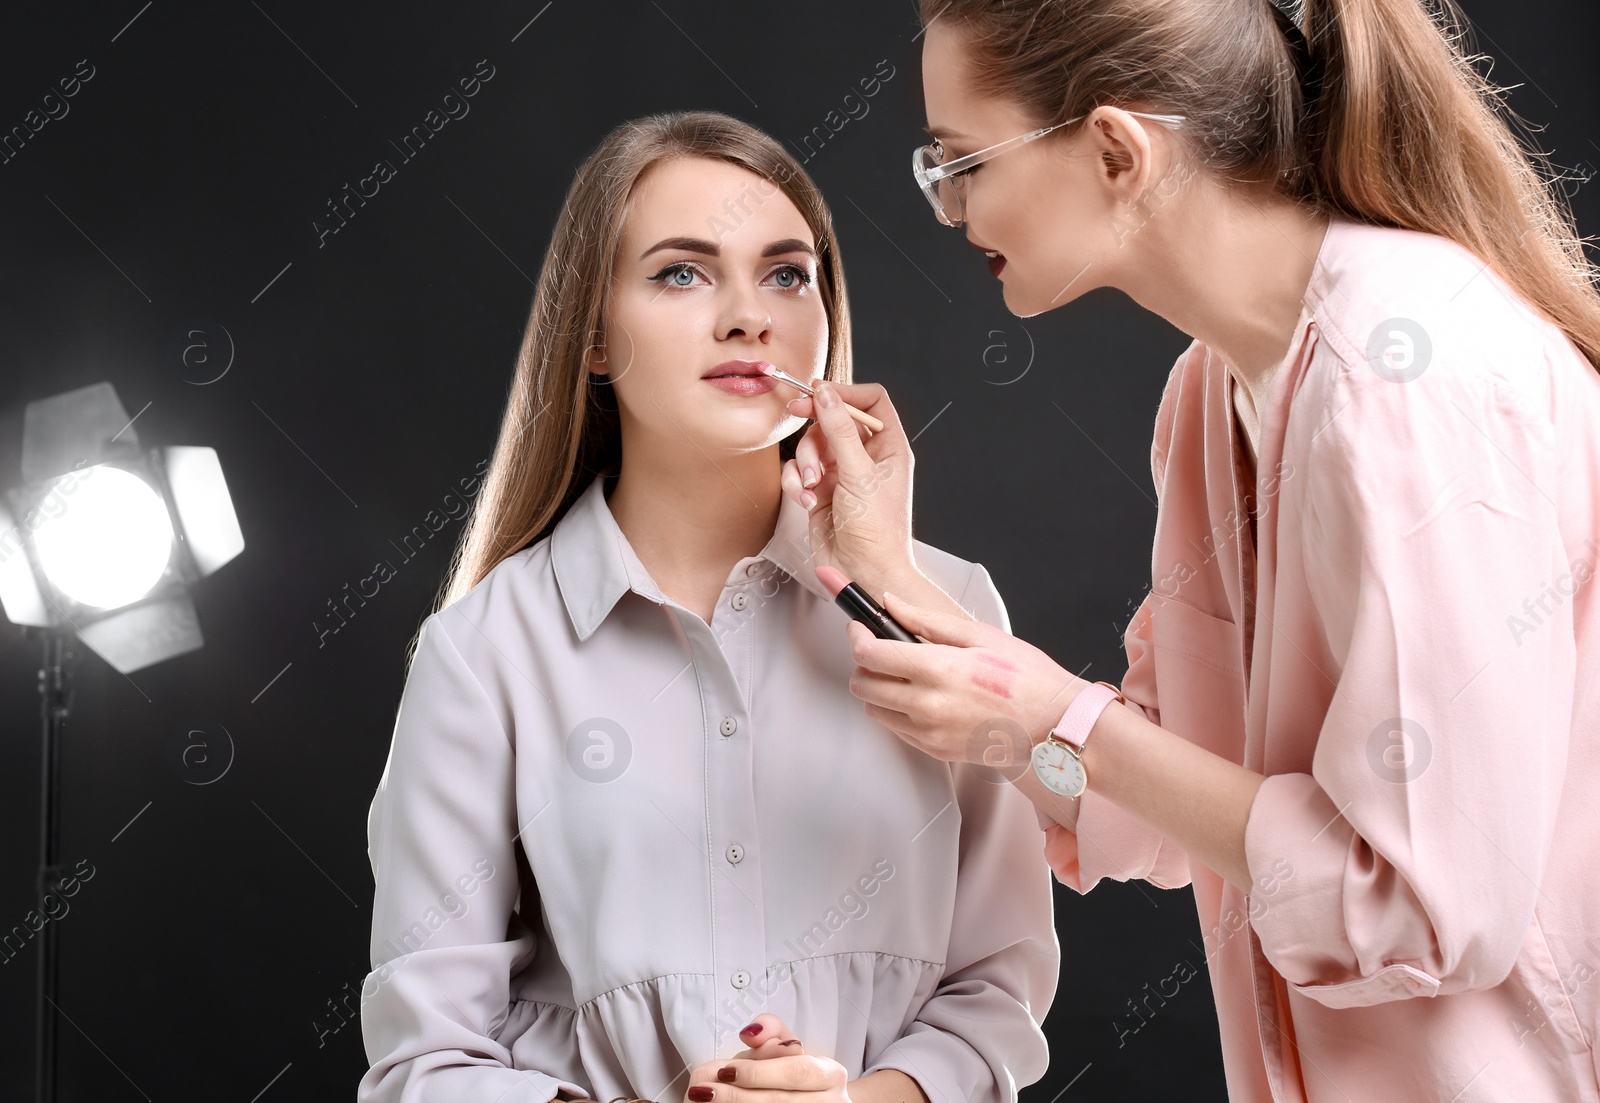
(942,133)
(712,249)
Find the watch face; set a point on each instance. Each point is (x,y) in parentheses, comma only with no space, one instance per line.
(1059,769)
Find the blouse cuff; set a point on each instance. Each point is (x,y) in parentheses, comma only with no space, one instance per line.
(1297,845)
(476,1084)
(1111,842)
(945,1066)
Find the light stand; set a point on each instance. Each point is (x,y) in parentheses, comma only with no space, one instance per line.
(100,543)
(54,699)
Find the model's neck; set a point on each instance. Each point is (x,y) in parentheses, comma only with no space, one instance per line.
(687,516)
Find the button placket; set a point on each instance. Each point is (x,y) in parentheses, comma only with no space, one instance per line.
(739,949)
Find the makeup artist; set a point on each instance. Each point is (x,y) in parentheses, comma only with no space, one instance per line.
(1361,714)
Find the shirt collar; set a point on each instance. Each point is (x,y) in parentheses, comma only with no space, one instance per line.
(595,565)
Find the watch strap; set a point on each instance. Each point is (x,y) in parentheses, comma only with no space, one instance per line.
(1075,724)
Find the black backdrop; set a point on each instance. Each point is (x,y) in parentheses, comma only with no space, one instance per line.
(219,946)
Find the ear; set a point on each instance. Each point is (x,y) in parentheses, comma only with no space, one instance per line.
(595,354)
(1122,151)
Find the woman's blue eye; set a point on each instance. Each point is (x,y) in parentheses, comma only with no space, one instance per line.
(681,268)
(802,278)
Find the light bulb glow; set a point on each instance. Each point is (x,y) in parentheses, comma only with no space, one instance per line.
(110,541)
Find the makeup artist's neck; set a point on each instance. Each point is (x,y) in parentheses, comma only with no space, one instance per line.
(689,520)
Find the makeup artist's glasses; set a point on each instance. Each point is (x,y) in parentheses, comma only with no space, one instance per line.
(944,184)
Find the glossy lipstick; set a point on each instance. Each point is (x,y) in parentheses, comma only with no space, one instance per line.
(744,377)
(855,602)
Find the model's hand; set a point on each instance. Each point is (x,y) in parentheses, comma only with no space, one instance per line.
(860,503)
(775,1069)
(973,693)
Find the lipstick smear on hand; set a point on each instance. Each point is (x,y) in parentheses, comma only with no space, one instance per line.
(997,684)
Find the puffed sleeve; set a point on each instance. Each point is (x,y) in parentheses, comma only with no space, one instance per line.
(977,1038)
(440,834)
(1106,841)
(1409,859)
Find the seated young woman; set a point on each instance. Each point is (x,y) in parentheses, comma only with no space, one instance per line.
(631,805)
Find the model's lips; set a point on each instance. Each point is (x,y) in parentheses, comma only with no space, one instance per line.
(742,384)
(745,368)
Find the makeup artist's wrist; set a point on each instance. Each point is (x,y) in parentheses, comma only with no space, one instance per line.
(911,585)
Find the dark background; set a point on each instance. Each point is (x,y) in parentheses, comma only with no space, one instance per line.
(225,920)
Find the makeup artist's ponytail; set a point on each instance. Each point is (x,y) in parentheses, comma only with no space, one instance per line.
(1407,133)
(1387,121)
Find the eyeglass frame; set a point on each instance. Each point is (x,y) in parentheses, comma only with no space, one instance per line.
(928,179)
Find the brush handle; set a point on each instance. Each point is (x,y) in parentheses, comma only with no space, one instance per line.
(864,418)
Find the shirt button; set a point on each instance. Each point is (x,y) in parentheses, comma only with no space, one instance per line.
(735,854)
(740,978)
(740,600)
(729,725)
(753,569)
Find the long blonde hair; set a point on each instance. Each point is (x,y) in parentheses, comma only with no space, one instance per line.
(1400,129)
(561,427)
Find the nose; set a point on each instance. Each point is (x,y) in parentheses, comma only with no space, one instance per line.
(745,316)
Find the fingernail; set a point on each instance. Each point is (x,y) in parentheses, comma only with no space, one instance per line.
(726,1074)
(701,1093)
(753,1029)
(808,499)
(790,1042)
(825,396)
(810,478)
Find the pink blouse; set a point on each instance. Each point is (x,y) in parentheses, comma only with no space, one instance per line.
(1406,641)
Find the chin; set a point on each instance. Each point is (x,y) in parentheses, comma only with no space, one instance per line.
(748,431)
(1019,301)
(1029,302)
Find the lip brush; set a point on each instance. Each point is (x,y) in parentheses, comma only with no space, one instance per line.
(864,418)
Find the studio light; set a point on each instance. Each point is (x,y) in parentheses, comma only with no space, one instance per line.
(100,541)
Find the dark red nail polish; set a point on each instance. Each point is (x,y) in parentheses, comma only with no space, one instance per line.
(752,1030)
(790,1042)
(700,1093)
(726,1074)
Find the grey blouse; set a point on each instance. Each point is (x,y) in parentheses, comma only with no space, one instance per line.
(609,834)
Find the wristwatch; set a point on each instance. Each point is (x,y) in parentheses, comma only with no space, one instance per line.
(1058,759)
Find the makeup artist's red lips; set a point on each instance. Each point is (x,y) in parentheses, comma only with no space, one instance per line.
(997,259)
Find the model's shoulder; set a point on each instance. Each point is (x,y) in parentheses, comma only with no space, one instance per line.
(512,593)
(950,571)
(968,582)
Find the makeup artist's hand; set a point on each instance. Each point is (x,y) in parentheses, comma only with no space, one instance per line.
(860,503)
(775,1065)
(972,693)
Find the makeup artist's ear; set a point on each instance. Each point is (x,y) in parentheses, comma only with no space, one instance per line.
(1122,153)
